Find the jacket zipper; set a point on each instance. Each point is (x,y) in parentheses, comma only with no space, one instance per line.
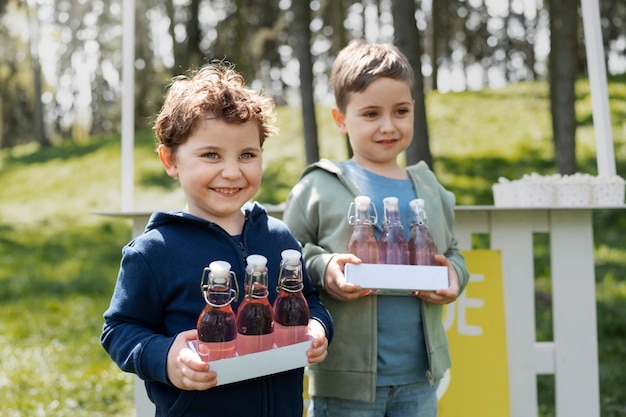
(242,248)
(429,373)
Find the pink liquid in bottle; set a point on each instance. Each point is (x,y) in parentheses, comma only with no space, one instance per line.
(255,327)
(217,335)
(291,314)
(291,310)
(217,324)
(362,242)
(255,318)
(392,247)
(422,247)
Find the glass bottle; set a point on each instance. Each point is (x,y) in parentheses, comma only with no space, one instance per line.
(217,325)
(362,243)
(255,318)
(422,247)
(392,246)
(291,310)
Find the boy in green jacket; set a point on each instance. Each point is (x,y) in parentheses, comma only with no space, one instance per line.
(389,351)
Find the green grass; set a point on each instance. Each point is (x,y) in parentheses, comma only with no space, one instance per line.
(58,261)
(55,276)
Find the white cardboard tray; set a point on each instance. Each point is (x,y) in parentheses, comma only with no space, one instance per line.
(397,279)
(258,364)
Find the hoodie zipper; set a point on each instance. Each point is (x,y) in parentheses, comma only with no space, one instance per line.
(429,372)
(242,248)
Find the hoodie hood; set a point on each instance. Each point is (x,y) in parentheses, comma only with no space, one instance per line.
(252,210)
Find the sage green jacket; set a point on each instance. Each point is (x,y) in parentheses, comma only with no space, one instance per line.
(316,212)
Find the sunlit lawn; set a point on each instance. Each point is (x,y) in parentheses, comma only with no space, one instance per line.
(55,281)
(58,260)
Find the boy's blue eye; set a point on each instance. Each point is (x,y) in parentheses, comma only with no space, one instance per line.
(211,155)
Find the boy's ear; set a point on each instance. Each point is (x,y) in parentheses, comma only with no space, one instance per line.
(339,120)
(167,159)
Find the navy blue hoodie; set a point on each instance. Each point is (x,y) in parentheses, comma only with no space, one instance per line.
(158,295)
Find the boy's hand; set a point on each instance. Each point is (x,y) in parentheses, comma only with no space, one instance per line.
(335,282)
(446,295)
(319,346)
(185,369)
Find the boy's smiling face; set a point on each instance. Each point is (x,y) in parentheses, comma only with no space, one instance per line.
(378,122)
(219,168)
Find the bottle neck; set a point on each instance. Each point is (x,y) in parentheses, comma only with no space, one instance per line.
(219,296)
(363,223)
(290,279)
(392,218)
(363,229)
(363,217)
(418,218)
(256,285)
(291,285)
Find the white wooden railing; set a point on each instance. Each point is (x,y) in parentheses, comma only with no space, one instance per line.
(572,357)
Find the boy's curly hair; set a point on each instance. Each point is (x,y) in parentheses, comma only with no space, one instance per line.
(215,91)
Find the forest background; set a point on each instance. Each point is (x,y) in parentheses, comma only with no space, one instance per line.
(502,91)
(62,59)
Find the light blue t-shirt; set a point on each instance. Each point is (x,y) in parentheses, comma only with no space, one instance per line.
(402,355)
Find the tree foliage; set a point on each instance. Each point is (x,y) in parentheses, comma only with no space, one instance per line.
(461,44)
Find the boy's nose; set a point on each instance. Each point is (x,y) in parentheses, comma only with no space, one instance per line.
(231,170)
(386,124)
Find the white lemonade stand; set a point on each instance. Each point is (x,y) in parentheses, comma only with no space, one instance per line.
(572,357)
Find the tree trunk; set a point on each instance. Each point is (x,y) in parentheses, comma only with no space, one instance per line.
(180,53)
(301,42)
(194,36)
(39,128)
(336,16)
(408,41)
(563,52)
(187,54)
(530,26)
(243,64)
(435,33)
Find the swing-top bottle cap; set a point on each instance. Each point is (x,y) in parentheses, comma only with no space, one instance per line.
(290,256)
(390,201)
(220,270)
(256,262)
(362,202)
(417,203)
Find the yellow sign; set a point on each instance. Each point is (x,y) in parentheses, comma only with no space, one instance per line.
(477,384)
